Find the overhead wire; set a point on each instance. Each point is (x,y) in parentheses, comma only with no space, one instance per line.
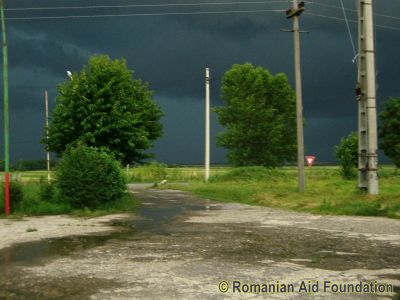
(189,4)
(74,16)
(147,14)
(349,31)
(147,5)
(352,21)
(350,10)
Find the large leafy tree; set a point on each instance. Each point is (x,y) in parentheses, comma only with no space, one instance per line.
(103,106)
(259,116)
(389,130)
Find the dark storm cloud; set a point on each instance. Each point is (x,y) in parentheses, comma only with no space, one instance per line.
(171,52)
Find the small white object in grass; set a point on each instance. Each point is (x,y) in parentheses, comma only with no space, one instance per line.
(164,181)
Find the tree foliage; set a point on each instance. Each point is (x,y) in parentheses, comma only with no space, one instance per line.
(103,106)
(259,116)
(88,178)
(389,130)
(346,153)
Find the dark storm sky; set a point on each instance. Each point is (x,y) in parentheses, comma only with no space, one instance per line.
(171,52)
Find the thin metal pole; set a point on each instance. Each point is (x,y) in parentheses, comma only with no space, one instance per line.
(6,128)
(299,105)
(207,127)
(373,187)
(46,98)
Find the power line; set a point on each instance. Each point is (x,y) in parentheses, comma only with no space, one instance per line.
(148,14)
(183,14)
(351,10)
(348,29)
(190,4)
(330,6)
(353,21)
(146,5)
(387,16)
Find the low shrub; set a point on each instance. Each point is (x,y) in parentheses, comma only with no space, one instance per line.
(47,191)
(346,153)
(88,177)
(16,195)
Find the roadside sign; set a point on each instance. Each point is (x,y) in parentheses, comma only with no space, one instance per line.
(310,160)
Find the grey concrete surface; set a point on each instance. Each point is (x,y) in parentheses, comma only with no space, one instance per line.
(182,247)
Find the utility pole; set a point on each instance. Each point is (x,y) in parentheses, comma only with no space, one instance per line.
(46,99)
(207,128)
(294,13)
(6,128)
(366,96)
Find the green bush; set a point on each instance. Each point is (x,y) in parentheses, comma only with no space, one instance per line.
(347,155)
(47,191)
(16,195)
(89,178)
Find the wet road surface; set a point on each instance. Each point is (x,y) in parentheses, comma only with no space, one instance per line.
(182,247)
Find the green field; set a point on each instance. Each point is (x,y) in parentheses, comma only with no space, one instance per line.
(326,191)
(31,199)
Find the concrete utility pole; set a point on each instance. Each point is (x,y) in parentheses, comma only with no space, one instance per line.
(366,96)
(46,100)
(294,13)
(207,128)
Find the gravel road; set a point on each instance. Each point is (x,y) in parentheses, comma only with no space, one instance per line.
(182,247)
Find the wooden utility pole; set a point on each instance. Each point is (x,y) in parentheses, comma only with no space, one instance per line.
(46,100)
(294,13)
(366,96)
(207,128)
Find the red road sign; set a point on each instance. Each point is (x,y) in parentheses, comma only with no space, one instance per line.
(310,160)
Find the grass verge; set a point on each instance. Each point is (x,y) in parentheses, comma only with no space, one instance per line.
(32,203)
(326,192)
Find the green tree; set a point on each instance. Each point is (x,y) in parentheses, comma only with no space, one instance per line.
(103,106)
(346,153)
(389,130)
(259,116)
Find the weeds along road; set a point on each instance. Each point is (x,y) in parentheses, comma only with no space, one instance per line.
(183,247)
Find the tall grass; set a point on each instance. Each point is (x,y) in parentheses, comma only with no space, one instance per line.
(326,191)
(31,202)
(35,199)
(156,172)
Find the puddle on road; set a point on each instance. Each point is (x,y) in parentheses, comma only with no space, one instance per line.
(14,284)
(152,219)
(228,242)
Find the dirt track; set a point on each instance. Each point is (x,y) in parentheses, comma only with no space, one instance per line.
(182,247)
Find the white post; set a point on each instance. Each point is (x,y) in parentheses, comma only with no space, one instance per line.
(207,128)
(373,188)
(47,134)
(299,101)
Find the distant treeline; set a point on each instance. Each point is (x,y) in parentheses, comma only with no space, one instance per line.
(28,165)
